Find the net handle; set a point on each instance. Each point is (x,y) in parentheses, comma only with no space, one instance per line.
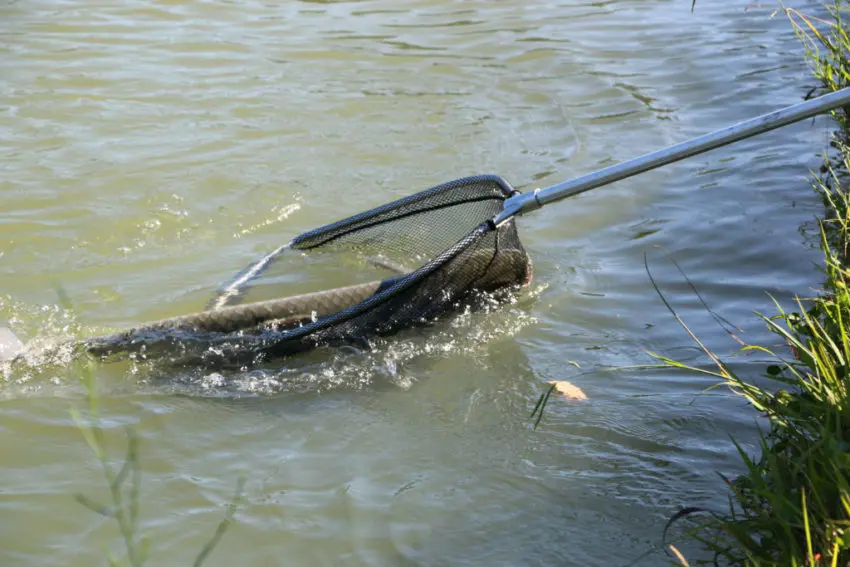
(527,202)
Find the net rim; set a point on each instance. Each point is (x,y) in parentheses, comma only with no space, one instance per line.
(298,243)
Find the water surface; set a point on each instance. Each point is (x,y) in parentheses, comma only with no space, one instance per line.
(152,149)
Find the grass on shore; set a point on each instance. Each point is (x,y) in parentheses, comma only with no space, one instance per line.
(792,505)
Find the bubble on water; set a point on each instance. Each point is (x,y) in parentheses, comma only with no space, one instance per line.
(150,225)
(178,213)
(214,380)
(47,332)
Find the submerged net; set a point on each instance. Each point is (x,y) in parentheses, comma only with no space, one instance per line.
(442,238)
(446,231)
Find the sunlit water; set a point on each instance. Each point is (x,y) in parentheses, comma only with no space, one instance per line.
(150,150)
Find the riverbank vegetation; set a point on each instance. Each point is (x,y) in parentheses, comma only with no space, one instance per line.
(792,505)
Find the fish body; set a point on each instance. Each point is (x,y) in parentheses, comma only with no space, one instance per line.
(267,321)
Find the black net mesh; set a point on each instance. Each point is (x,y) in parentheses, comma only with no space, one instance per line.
(486,260)
(445,239)
(417,228)
(446,230)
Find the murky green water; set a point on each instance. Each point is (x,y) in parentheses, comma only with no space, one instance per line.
(151,149)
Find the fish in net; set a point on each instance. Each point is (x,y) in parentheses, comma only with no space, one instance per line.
(460,259)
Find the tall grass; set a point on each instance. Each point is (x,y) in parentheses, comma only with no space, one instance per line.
(792,504)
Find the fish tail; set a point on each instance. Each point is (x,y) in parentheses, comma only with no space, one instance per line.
(240,281)
(10,345)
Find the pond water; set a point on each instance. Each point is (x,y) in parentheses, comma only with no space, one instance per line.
(152,149)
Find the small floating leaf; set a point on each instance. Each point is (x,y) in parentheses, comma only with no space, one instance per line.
(568,390)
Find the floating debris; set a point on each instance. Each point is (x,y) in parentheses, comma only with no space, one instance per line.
(568,390)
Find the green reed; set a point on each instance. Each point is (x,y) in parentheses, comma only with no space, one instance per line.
(791,506)
(124,482)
